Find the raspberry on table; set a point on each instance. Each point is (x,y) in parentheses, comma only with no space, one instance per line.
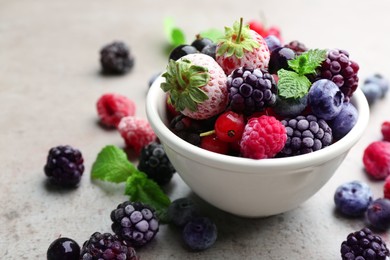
(106,246)
(263,137)
(135,223)
(136,132)
(64,166)
(155,163)
(115,58)
(385,129)
(112,107)
(363,244)
(376,160)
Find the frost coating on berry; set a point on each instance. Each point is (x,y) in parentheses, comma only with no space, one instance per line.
(112,107)
(136,132)
(376,160)
(344,121)
(115,58)
(200,233)
(263,137)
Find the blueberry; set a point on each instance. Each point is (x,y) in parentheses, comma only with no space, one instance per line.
(200,233)
(200,43)
(279,59)
(344,121)
(372,92)
(182,50)
(272,42)
(382,82)
(325,99)
(290,107)
(210,50)
(353,198)
(63,248)
(181,211)
(378,214)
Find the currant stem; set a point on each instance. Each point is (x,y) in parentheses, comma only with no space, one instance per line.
(238,39)
(207,133)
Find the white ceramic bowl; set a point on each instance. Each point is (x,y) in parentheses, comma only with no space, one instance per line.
(247,187)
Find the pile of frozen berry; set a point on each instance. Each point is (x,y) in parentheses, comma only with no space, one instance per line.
(255,97)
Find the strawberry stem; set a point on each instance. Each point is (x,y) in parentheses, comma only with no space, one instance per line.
(238,39)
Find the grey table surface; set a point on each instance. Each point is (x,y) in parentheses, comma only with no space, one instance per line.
(50,81)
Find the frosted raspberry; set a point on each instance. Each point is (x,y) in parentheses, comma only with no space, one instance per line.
(385,128)
(136,132)
(263,137)
(376,160)
(112,107)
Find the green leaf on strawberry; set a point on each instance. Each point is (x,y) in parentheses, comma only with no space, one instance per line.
(292,85)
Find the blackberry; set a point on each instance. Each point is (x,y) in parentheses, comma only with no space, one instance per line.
(305,134)
(190,129)
(363,245)
(115,58)
(251,90)
(135,223)
(341,70)
(155,163)
(297,46)
(64,166)
(106,246)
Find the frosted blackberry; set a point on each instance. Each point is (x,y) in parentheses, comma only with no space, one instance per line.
(297,46)
(341,70)
(305,134)
(106,246)
(155,163)
(115,58)
(64,166)
(363,245)
(134,222)
(251,90)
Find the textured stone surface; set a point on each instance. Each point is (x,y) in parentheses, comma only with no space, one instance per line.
(50,81)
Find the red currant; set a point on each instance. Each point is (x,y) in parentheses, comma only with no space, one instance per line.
(213,144)
(385,129)
(229,126)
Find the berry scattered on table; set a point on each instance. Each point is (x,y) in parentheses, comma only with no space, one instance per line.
(106,246)
(181,51)
(135,223)
(385,130)
(115,58)
(63,248)
(378,214)
(344,121)
(376,160)
(297,46)
(263,137)
(380,81)
(386,188)
(200,233)
(112,107)
(353,198)
(181,211)
(372,92)
(64,166)
(305,134)
(229,126)
(136,132)
(362,245)
(154,162)
(279,59)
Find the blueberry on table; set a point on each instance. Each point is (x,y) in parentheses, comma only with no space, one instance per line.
(181,211)
(63,248)
(200,234)
(378,214)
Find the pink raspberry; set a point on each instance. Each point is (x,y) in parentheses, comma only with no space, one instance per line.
(386,188)
(376,160)
(136,132)
(112,107)
(263,137)
(386,130)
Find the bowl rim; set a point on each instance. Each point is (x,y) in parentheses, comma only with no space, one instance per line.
(155,97)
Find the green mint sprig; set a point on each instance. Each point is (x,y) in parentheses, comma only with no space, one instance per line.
(174,34)
(295,84)
(213,34)
(112,165)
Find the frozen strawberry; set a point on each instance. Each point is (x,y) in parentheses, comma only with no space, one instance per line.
(242,47)
(376,159)
(196,85)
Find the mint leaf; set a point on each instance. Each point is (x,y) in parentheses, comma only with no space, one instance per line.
(292,85)
(174,35)
(307,62)
(145,190)
(112,165)
(213,34)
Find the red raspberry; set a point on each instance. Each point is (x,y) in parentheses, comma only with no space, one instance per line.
(263,137)
(112,107)
(136,132)
(376,160)
(386,130)
(386,188)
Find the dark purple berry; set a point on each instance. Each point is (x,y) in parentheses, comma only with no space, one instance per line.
(182,50)
(372,92)
(200,234)
(344,121)
(290,107)
(115,58)
(279,58)
(181,211)
(272,42)
(297,46)
(378,214)
(64,166)
(380,81)
(200,43)
(63,248)
(210,50)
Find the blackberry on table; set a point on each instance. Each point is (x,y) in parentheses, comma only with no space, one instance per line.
(363,244)
(155,163)
(251,90)
(134,222)
(115,58)
(106,246)
(64,166)
(305,134)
